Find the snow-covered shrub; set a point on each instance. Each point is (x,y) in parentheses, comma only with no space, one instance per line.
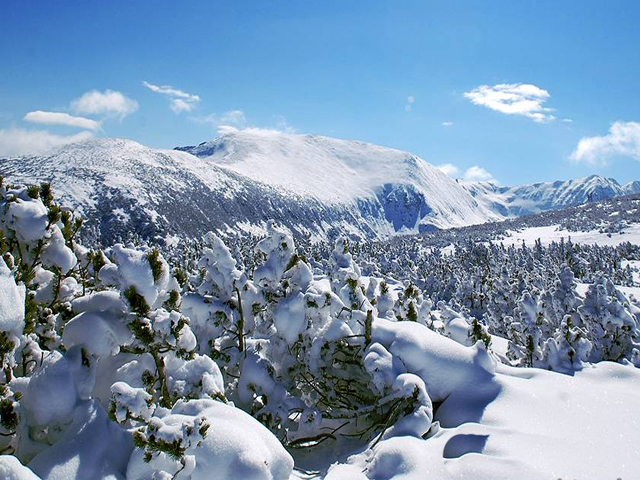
(525,333)
(95,352)
(300,366)
(216,441)
(568,349)
(612,328)
(37,280)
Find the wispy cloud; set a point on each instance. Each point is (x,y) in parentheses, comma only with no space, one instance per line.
(448,169)
(180,101)
(622,140)
(226,129)
(283,125)
(235,121)
(109,103)
(234,118)
(409,105)
(513,99)
(60,118)
(477,173)
(18,141)
(447,124)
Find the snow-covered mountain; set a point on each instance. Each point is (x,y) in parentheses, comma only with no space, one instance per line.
(316,186)
(539,197)
(313,185)
(631,187)
(396,190)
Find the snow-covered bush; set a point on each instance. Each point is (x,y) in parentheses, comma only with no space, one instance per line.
(95,351)
(607,317)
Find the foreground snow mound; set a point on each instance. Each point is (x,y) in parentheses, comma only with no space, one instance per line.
(12,469)
(444,365)
(91,447)
(235,446)
(540,425)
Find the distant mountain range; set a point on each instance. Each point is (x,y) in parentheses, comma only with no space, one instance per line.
(316,186)
(539,197)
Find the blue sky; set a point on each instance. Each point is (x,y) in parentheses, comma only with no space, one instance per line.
(511,87)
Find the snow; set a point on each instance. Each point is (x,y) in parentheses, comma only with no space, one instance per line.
(635,266)
(235,446)
(28,219)
(131,401)
(539,197)
(99,333)
(56,253)
(78,455)
(501,422)
(443,364)
(537,424)
(11,302)
(201,373)
(12,469)
(553,233)
(455,410)
(62,381)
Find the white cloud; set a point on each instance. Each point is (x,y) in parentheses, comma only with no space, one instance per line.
(172,92)
(180,101)
(104,103)
(18,141)
(178,105)
(477,173)
(623,140)
(513,99)
(447,124)
(448,169)
(59,118)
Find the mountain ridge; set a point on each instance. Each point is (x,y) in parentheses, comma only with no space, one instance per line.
(316,186)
